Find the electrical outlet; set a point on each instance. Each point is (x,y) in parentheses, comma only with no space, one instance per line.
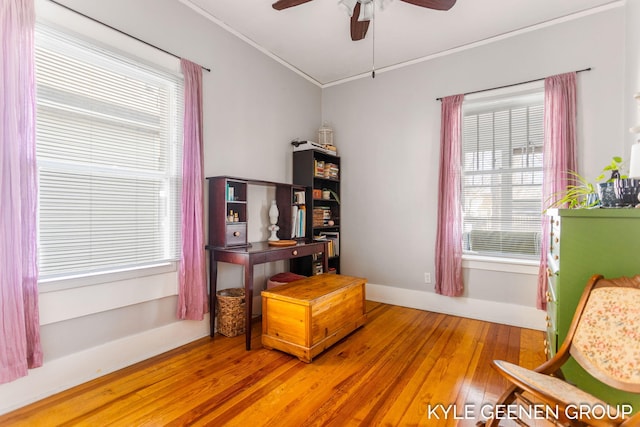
(427,277)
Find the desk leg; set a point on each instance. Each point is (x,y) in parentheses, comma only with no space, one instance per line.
(213,287)
(248,298)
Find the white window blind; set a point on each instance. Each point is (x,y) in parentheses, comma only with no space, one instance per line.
(502,176)
(109,151)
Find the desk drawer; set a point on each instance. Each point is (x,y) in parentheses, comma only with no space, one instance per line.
(293,252)
(236,234)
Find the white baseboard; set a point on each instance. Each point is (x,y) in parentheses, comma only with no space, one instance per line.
(490,311)
(66,372)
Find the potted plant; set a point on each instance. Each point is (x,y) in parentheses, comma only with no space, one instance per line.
(579,193)
(619,190)
(614,167)
(606,189)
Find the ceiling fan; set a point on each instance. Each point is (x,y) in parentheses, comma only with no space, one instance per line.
(361,11)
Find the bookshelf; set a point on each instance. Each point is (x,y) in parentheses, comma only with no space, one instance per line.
(319,173)
(228,208)
(227,212)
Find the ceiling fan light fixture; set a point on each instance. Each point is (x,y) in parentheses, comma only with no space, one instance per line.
(366,10)
(349,5)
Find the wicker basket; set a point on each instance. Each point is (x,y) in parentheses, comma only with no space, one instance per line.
(231,310)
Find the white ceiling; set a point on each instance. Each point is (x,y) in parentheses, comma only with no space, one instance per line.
(314,38)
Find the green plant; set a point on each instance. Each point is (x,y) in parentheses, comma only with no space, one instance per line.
(579,193)
(333,193)
(615,167)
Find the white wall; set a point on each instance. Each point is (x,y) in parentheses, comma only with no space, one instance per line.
(253,108)
(387,131)
(632,82)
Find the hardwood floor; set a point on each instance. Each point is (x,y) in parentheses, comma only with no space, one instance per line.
(392,372)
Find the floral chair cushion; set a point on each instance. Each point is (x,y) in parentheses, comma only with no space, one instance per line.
(607,340)
(559,391)
(551,386)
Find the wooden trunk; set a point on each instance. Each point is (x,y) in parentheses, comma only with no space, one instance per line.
(305,317)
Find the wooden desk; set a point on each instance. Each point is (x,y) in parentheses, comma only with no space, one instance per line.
(257,253)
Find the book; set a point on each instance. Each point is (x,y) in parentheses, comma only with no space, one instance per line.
(294,218)
(299,197)
(321,216)
(334,242)
(301,221)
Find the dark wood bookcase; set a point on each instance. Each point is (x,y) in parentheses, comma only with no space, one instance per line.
(228,206)
(320,173)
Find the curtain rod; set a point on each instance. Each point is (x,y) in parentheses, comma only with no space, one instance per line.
(514,84)
(122,32)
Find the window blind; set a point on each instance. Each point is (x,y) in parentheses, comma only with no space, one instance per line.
(502,177)
(109,151)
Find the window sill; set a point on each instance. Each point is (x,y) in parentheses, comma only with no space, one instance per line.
(70,282)
(506,265)
(70,298)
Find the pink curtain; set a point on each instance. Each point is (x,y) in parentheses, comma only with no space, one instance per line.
(449,233)
(192,292)
(19,319)
(559,155)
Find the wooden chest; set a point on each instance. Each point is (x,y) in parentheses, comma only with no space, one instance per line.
(305,317)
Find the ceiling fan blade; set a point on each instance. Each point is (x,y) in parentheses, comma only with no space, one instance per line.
(433,4)
(358,28)
(283,4)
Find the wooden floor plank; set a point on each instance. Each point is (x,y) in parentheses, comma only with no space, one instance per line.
(387,373)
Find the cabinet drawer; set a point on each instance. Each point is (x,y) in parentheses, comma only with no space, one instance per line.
(550,344)
(551,340)
(236,234)
(554,239)
(551,314)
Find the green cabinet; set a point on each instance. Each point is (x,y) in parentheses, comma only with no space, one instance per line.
(584,242)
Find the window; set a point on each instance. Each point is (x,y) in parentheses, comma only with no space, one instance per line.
(109,150)
(502,176)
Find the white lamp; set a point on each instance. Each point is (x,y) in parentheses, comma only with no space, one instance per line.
(634,165)
(273,219)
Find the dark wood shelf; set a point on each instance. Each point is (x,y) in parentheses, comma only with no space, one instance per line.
(326,179)
(304,173)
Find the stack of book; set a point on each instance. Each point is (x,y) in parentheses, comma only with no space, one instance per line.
(321,216)
(230,193)
(324,169)
(298,221)
(316,264)
(331,171)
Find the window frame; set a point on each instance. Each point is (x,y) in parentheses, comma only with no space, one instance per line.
(107,39)
(490,101)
